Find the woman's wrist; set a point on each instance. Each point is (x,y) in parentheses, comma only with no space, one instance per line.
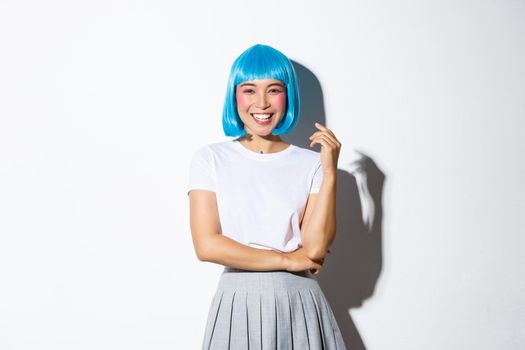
(330,176)
(283,264)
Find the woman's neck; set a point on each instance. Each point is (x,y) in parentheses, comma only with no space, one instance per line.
(263,144)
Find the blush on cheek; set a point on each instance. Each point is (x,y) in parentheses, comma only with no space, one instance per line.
(242,101)
(280,101)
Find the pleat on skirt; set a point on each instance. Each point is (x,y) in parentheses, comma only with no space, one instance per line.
(270,310)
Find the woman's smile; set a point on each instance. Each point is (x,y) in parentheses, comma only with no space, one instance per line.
(262,119)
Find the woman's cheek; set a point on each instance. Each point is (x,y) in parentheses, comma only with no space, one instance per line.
(280,101)
(242,101)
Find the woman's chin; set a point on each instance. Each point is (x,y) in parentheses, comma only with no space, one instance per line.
(261,131)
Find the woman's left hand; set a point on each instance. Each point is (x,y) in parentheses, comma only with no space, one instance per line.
(330,148)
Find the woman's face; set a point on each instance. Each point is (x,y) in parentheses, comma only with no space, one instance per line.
(261,105)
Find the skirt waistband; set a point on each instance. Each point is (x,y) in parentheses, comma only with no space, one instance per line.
(238,279)
(305,273)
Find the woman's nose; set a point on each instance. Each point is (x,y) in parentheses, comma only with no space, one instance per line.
(262,101)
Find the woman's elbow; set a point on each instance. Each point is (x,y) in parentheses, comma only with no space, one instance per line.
(200,255)
(315,253)
(203,252)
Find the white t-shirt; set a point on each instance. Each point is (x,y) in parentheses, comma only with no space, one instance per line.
(261,197)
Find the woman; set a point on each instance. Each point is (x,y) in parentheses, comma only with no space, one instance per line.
(265,210)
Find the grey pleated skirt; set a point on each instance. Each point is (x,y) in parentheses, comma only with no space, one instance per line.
(270,310)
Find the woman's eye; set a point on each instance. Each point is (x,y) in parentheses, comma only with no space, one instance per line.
(275,91)
(248,91)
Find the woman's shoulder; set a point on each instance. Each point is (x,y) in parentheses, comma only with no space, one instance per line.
(213,148)
(216,147)
(309,154)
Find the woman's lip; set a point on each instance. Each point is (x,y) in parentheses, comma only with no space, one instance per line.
(262,122)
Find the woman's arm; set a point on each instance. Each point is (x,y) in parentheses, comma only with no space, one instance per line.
(319,221)
(213,247)
(318,226)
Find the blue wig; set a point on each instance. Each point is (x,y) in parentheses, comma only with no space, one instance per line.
(261,62)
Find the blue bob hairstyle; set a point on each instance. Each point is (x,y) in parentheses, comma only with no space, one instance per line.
(261,62)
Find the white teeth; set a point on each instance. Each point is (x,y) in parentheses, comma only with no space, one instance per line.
(262,116)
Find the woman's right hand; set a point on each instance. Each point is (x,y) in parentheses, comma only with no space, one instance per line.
(298,261)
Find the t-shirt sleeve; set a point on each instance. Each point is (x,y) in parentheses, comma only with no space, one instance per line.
(317,178)
(202,171)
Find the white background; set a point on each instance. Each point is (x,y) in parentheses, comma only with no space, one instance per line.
(102,104)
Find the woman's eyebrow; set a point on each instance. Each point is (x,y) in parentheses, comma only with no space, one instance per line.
(252,84)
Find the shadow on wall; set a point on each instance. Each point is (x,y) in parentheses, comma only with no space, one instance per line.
(353,266)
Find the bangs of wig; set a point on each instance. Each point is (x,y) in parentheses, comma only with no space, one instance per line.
(261,62)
